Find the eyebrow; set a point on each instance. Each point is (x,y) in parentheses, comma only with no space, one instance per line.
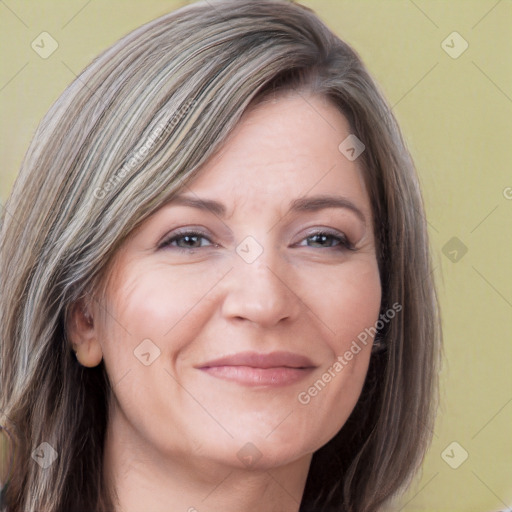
(301,204)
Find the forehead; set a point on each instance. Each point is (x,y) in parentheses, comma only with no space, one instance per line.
(283,147)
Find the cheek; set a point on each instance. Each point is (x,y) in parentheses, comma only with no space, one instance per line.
(150,310)
(349,307)
(361,300)
(347,302)
(174,308)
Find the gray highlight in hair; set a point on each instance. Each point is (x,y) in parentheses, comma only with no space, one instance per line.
(136,126)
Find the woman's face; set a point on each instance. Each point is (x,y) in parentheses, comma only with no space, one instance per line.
(230,311)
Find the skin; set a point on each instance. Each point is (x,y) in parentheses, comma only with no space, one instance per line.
(175,431)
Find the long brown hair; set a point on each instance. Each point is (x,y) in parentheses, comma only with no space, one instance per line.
(182,82)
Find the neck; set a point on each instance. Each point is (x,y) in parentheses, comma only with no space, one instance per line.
(144,478)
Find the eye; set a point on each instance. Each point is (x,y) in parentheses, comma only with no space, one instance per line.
(185,240)
(189,240)
(329,240)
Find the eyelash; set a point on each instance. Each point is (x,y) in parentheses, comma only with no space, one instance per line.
(343,242)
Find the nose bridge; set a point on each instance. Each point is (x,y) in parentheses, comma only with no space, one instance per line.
(258,288)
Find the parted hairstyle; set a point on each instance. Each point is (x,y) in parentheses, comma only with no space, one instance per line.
(133,128)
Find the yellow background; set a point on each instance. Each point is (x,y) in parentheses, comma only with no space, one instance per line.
(456,115)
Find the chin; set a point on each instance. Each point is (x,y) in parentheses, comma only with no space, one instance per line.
(266,457)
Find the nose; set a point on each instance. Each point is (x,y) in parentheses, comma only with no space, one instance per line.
(261,292)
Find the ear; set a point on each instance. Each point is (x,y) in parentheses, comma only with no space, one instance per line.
(83,336)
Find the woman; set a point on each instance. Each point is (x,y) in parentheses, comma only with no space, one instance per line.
(216,285)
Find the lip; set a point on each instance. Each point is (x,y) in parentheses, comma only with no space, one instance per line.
(255,369)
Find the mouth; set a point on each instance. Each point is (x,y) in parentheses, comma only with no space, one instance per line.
(254,369)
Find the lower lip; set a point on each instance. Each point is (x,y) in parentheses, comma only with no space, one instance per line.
(250,376)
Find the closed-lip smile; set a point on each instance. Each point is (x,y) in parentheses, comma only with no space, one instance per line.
(256,369)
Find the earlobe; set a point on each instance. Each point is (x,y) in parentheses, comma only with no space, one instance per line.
(89,355)
(83,336)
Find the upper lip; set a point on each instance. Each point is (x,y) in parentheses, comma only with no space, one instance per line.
(257,360)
